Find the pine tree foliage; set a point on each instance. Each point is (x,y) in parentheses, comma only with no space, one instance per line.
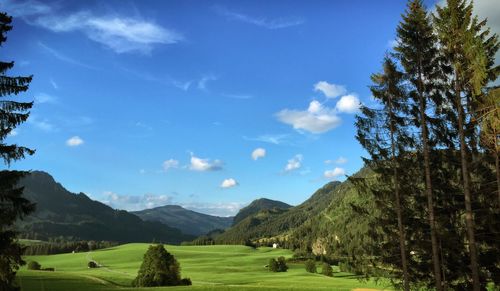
(12,205)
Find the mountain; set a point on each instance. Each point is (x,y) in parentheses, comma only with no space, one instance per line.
(257,206)
(187,221)
(275,222)
(60,213)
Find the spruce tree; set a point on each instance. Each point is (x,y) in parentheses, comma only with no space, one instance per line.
(390,139)
(12,205)
(469,52)
(418,55)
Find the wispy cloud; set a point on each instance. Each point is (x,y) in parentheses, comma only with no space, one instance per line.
(339,161)
(170,164)
(42,124)
(119,33)
(18,8)
(54,84)
(202,83)
(276,23)
(237,96)
(60,56)
(135,202)
(218,209)
(42,98)
(269,138)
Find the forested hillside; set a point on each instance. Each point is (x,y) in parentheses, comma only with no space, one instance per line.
(257,206)
(60,213)
(275,222)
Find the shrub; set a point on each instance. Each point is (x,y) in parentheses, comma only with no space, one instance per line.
(311,266)
(273,265)
(92,265)
(186,282)
(282,267)
(278,265)
(48,269)
(159,268)
(327,270)
(34,265)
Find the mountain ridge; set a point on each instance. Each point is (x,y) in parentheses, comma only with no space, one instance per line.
(188,221)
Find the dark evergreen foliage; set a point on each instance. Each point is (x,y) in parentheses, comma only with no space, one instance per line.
(159,268)
(33,265)
(311,266)
(12,205)
(92,265)
(277,265)
(327,270)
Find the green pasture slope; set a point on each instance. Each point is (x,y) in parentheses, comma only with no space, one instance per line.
(209,267)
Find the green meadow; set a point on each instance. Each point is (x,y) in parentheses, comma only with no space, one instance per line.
(209,267)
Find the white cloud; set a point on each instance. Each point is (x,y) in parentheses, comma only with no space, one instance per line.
(74,141)
(258,153)
(44,98)
(260,21)
(316,119)
(330,90)
(170,164)
(121,34)
(134,203)
(142,171)
(228,183)
(294,163)
(218,209)
(334,174)
(348,104)
(203,165)
(202,83)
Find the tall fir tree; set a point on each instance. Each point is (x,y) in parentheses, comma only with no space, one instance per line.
(418,55)
(469,52)
(383,132)
(12,205)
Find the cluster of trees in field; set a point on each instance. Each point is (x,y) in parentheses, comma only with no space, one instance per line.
(59,247)
(428,214)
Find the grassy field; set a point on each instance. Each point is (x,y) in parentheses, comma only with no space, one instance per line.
(209,267)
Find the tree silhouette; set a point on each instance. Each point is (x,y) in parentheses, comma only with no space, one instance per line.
(12,205)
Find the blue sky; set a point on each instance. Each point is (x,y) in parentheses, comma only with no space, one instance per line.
(206,104)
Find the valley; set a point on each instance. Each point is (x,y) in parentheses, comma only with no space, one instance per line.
(221,267)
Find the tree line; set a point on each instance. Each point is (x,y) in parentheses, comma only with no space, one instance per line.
(433,145)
